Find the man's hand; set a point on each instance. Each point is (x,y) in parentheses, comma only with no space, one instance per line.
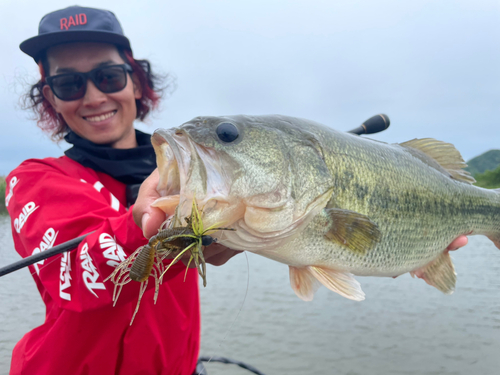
(146,217)
(149,219)
(217,255)
(458,243)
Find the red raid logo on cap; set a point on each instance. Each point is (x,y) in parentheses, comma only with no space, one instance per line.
(79,19)
(75,24)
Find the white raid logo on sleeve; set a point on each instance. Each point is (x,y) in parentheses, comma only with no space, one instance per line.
(47,242)
(28,209)
(13,182)
(114,202)
(90,274)
(65,277)
(111,250)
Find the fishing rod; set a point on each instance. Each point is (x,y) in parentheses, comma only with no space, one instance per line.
(28,261)
(227,361)
(374,124)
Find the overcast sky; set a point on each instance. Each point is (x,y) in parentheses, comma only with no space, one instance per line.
(433,66)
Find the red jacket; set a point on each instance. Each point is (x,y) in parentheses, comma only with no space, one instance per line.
(52,201)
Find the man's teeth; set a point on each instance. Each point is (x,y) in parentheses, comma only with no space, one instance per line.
(100,117)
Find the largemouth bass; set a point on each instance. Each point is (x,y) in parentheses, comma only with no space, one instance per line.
(328,204)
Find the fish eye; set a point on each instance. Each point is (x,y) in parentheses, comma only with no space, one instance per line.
(227,132)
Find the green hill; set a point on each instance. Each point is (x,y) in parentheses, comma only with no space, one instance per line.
(488,161)
(486,169)
(489,179)
(3,184)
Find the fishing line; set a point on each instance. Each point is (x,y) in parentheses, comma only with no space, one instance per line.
(241,308)
(42,266)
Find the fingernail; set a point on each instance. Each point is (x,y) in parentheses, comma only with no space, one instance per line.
(144,221)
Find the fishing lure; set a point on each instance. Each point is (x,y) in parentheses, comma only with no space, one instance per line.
(147,260)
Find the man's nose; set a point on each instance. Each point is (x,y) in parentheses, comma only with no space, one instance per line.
(93,96)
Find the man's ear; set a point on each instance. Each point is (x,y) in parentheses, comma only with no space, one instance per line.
(137,86)
(49,95)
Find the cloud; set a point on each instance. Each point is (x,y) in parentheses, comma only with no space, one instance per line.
(433,67)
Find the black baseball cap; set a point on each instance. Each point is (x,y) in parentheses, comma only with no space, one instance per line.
(75,24)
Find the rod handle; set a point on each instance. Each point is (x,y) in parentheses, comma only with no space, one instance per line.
(374,124)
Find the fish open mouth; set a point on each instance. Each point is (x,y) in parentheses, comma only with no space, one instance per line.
(187,171)
(190,171)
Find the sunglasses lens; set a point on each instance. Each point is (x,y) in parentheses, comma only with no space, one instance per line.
(73,86)
(111,79)
(68,86)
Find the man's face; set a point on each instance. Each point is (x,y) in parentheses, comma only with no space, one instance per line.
(99,117)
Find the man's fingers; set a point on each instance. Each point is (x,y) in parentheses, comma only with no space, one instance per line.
(223,257)
(146,217)
(151,222)
(458,243)
(215,255)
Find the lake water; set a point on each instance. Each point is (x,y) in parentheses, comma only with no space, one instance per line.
(404,327)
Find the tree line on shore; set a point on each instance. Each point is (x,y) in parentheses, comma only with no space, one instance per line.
(489,179)
(486,169)
(3,185)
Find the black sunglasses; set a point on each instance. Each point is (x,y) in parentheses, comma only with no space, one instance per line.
(72,86)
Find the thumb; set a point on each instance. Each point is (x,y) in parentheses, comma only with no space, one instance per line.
(151,221)
(148,218)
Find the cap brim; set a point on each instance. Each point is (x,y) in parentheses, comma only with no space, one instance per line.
(34,46)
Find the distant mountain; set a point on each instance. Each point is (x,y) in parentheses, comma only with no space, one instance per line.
(488,161)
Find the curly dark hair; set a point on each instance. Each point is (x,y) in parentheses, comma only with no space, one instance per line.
(50,121)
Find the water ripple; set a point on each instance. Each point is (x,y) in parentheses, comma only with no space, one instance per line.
(404,327)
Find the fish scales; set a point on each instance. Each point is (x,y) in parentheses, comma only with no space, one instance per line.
(329,204)
(419,210)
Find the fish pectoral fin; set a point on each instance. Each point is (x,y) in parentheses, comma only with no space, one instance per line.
(303,283)
(339,282)
(440,155)
(439,273)
(352,230)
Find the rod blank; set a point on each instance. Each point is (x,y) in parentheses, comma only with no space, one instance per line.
(28,261)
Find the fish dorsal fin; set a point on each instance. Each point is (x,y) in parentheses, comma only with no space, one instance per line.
(440,155)
(439,273)
(352,230)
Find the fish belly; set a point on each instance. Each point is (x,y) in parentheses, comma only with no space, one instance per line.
(391,256)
